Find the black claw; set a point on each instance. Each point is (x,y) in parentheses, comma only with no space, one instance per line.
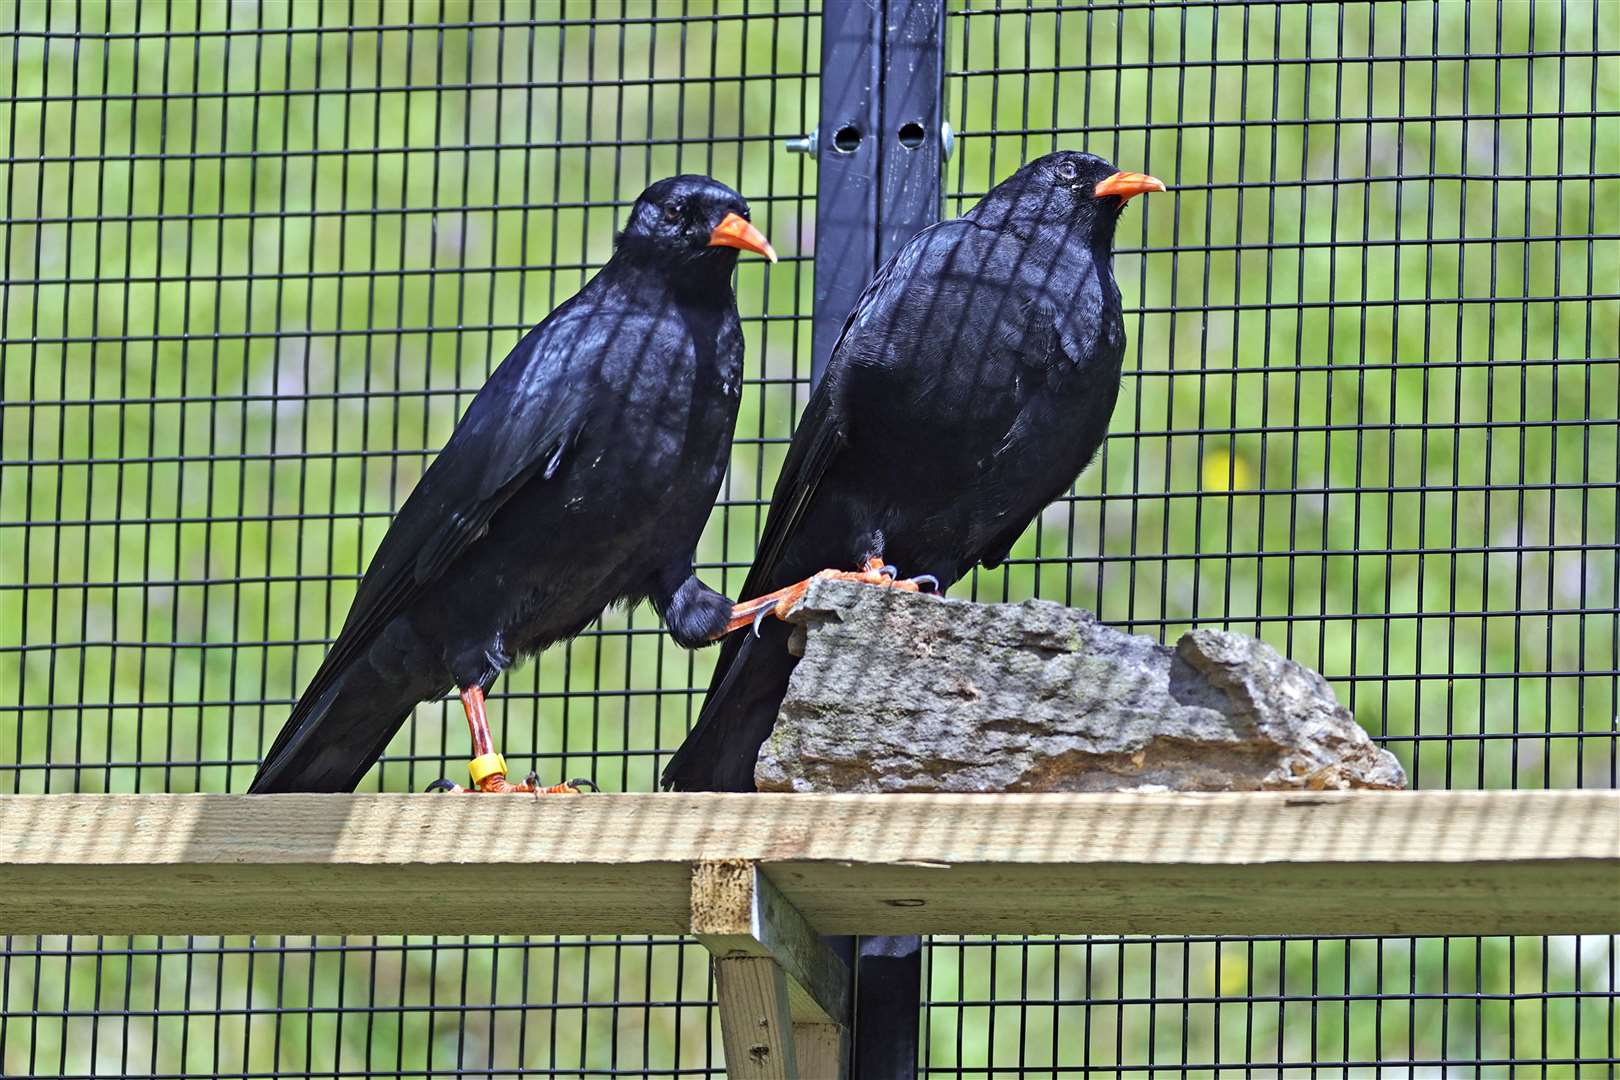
(440,785)
(890,572)
(759,618)
(927,582)
(581,782)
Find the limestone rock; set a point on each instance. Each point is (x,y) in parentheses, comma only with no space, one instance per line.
(900,692)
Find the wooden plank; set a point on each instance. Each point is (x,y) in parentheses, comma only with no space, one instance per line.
(1341,862)
(755,1026)
(822,1050)
(736,911)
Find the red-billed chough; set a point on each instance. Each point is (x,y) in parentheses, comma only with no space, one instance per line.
(580,476)
(972,383)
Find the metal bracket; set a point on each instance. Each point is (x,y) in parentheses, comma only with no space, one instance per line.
(811,143)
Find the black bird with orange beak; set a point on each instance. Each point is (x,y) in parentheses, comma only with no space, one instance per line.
(580,476)
(973,382)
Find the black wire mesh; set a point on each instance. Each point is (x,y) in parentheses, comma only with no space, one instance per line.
(1369,415)
(257,259)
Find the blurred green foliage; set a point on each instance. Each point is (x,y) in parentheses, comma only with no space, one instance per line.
(259,255)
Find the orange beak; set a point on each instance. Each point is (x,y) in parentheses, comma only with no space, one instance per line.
(737,231)
(1123,185)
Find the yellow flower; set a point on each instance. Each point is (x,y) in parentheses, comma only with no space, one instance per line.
(1222,470)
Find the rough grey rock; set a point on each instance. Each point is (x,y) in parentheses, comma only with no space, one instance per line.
(901,692)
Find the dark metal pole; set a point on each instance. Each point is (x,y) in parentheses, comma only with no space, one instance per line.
(880,149)
(846,146)
(911,92)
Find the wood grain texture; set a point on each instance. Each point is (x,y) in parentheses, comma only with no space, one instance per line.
(1321,862)
(822,1051)
(737,911)
(755,1026)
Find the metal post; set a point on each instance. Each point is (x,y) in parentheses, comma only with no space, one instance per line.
(911,85)
(846,145)
(880,147)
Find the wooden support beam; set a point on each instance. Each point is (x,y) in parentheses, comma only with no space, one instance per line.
(1463,862)
(755,1025)
(822,1050)
(743,920)
(736,911)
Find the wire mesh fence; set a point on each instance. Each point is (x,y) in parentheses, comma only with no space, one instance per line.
(258,258)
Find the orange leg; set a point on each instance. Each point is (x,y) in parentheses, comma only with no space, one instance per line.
(488,768)
(780,602)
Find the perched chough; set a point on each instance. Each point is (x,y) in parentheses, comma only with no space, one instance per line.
(580,476)
(972,383)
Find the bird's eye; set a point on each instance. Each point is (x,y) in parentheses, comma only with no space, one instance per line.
(672,212)
(1067,170)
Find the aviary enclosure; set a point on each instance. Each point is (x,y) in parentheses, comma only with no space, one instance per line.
(258,256)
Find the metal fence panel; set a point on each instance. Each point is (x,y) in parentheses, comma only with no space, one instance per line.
(1369,415)
(258,257)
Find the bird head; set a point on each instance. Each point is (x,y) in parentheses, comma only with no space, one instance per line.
(691,219)
(1082,192)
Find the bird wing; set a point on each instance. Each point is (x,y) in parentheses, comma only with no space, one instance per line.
(816,443)
(996,549)
(822,432)
(1060,343)
(520,425)
(743,685)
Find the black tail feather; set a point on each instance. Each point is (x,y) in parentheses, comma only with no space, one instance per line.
(330,743)
(749,684)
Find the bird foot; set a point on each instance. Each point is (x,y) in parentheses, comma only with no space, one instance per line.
(779,603)
(491,780)
(488,769)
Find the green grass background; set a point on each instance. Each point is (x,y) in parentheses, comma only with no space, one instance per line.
(1369,414)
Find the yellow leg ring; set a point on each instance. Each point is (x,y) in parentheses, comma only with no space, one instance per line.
(484,766)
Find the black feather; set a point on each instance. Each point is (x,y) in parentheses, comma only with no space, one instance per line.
(973,381)
(580,476)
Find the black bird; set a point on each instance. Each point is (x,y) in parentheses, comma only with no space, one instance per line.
(972,383)
(580,476)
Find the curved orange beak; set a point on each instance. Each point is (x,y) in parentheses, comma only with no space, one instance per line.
(1123,185)
(737,231)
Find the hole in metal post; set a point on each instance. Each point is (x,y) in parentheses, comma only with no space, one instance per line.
(846,139)
(911,135)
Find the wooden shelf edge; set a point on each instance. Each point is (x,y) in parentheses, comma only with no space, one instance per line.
(1321,862)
